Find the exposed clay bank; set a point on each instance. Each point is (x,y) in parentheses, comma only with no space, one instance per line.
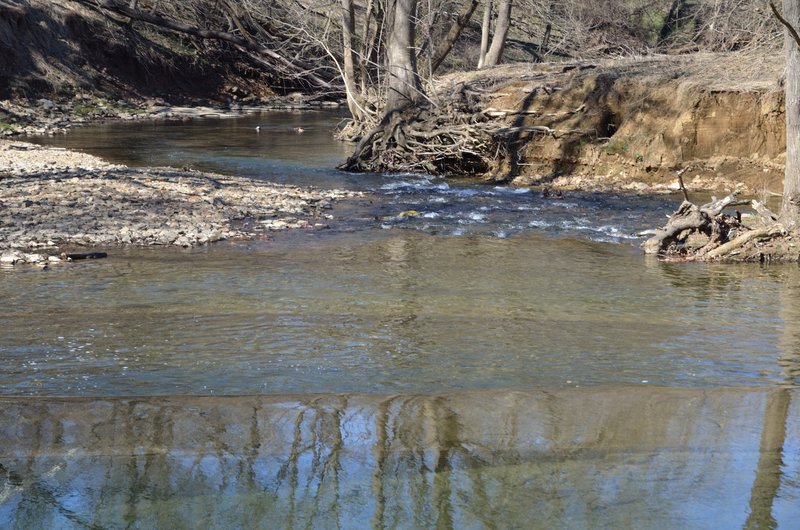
(630,124)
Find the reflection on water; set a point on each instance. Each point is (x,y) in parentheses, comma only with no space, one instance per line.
(232,146)
(390,371)
(279,154)
(605,458)
(401,312)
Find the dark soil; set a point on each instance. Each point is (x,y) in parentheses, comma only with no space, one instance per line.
(57,49)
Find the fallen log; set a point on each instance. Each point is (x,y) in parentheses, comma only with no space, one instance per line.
(728,248)
(723,236)
(75,256)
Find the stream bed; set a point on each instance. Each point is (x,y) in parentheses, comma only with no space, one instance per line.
(448,354)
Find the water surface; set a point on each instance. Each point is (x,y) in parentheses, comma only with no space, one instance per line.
(600,458)
(448,354)
(403,312)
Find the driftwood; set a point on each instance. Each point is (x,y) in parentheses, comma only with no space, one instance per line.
(699,233)
(728,248)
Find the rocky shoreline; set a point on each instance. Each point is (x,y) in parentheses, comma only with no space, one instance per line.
(45,116)
(52,199)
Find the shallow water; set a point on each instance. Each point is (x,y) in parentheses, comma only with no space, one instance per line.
(403,312)
(279,154)
(487,359)
(600,458)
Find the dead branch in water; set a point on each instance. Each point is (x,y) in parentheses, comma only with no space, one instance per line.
(702,233)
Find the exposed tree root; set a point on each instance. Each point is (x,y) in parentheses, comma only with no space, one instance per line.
(706,233)
(461,136)
(454,138)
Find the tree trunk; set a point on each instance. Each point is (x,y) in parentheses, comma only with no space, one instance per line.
(791,179)
(485,27)
(671,22)
(452,36)
(500,33)
(369,45)
(403,84)
(545,44)
(349,71)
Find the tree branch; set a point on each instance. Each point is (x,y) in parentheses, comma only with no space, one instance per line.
(452,36)
(299,69)
(789,27)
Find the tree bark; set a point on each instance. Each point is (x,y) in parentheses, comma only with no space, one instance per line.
(349,70)
(485,27)
(791,179)
(403,84)
(501,28)
(441,52)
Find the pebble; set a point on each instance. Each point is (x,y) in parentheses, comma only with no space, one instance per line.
(11,257)
(55,197)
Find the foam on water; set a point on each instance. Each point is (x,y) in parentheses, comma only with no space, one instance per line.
(502,211)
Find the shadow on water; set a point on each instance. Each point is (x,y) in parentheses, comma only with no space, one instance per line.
(616,457)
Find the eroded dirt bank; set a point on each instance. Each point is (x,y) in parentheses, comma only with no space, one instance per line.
(51,199)
(632,124)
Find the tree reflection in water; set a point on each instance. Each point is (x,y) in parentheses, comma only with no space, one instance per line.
(610,457)
(773,449)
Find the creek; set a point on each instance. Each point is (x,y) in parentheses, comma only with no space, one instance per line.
(448,354)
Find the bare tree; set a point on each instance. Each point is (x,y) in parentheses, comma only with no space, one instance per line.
(349,59)
(791,179)
(490,54)
(486,27)
(501,27)
(277,55)
(403,86)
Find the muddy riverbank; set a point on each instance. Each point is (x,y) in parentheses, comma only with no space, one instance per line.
(53,199)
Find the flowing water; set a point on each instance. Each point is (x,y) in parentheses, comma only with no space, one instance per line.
(448,354)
